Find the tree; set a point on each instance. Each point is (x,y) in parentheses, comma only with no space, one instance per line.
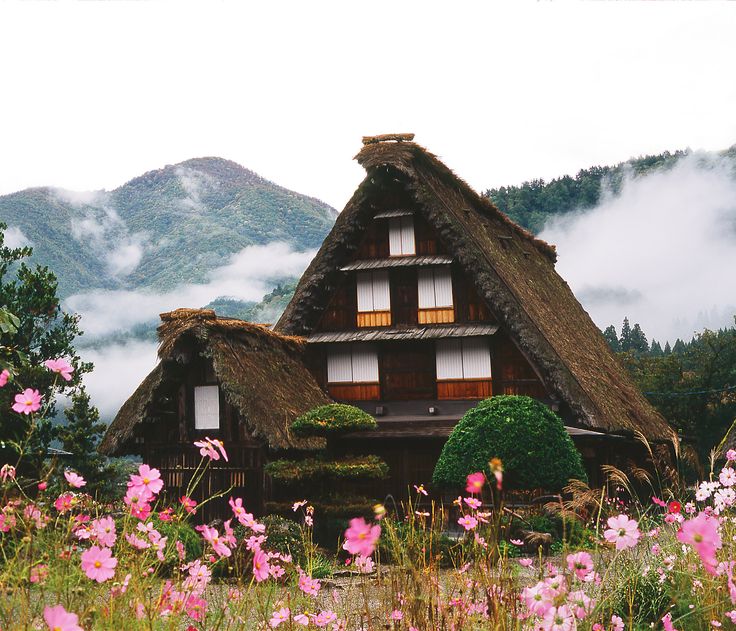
(80,436)
(42,331)
(667,348)
(528,437)
(625,339)
(639,342)
(611,337)
(656,349)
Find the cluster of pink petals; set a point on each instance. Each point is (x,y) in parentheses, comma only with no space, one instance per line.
(99,564)
(361,537)
(622,531)
(702,534)
(59,619)
(4,376)
(211,448)
(142,490)
(7,472)
(60,367)
(74,479)
(27,402)
(475,482)
(246,519)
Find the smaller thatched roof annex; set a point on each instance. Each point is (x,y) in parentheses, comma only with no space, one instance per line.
(260,372)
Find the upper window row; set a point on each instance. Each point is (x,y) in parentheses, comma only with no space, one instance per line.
(401,236)
(434,286)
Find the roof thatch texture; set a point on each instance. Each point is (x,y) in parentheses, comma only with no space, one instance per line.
(513,270)
(260,373)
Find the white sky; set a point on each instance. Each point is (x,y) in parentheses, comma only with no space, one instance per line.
(94,93)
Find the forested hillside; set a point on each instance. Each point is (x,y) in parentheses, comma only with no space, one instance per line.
(532,203)
(163,228)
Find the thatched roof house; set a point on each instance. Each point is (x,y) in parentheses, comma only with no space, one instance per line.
(259,372)
(511,270)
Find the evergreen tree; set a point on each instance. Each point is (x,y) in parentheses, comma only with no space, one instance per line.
(639,342)
(611,337)
(625,339)
(41,331)
(679,348)
(656,349)
(667,349)
(81,435)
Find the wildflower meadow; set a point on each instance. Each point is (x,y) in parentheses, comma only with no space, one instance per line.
(662,559)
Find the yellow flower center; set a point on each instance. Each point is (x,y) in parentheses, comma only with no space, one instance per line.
(146,480)
(98,564)
(697,538)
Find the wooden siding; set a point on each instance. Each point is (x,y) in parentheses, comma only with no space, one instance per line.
(407,371)
(340,312)
(438,315)
(375,242)
(354,391)
(514,374)
(426,240)
(373,318)
(464,389)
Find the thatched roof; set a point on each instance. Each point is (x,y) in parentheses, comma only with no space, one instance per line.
(260,373)
(513,270)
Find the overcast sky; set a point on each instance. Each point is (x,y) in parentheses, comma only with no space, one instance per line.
(94,93)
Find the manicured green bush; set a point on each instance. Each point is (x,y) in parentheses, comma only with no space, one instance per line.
(349,468)
(525,434)
(333,419)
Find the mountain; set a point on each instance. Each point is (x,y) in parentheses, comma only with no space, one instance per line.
(161,229)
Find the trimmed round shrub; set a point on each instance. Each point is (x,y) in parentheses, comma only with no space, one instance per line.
(530,439)
(332,419)
(284,536)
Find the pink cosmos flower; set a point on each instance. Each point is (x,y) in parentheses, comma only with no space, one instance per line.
(396,614)
(617,623)
(659,502)
(667,623)
(104,530)
(622,531)
(27,402)
(4,376)
(7,472)
(211,448)
(475,482)
(420,489)
(42,485)
(536,599)
(473,502)
(526,562)
(580,604)
(137,500)
(147,478)
(308,585)
(195,607)
(59,619)
(61,367)
(727,476)
(323,618)
(559,619)
(261,568)
(364,564)
(360,537)
(99,564)
(282,615)
(188,503)
(581,563)
(64,502)
(213,538)
(468,522)
(302,619)
(731,455)
(701,533)
(74,479)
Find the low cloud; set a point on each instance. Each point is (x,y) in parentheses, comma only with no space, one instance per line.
(662,252)
(14,238)
(100,228)
(247,276)
(194,183)
(119,370)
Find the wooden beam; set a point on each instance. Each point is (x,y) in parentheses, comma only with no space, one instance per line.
(371,140)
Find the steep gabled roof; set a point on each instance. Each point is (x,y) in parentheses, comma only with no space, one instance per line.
(260,373)
(513,270)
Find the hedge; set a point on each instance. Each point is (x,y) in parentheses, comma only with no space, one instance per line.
(530,439)
(349,468)
(332,419)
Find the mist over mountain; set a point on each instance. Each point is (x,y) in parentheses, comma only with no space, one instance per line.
(162,229)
